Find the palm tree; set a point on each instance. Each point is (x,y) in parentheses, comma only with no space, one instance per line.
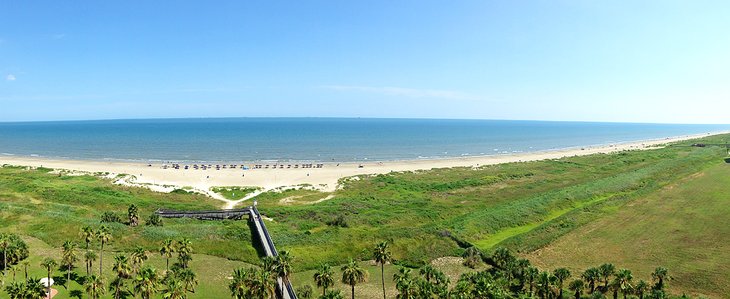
(324,277)
(90,258)
(606,271)
(166,250)
(117,285)
(261,285)
(402,278)
(640,288)
(26,264)
(104,236)
(14,269)
(123,270)
(184,252)
(138,257)
(133,215)
(69,257)
(623,281)
(561,274)
(174,290)
(382,256)
(659,275)
(238,285)
(33,289)
(49,264)
(591,276)
(336,294)
(94,287)
(283,267)
(544,284)
(88,234)
(352,274)
(577,287)
(428,272)
(188,278)
(146,283)
(531,274)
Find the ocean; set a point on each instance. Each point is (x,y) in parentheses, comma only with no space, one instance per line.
(313,139)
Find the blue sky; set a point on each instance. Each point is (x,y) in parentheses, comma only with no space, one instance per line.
(637,61)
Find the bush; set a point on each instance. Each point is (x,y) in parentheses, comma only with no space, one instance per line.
(154,220)
(110,217)
(338,221)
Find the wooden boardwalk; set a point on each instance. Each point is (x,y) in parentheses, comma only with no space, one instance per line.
(284,289)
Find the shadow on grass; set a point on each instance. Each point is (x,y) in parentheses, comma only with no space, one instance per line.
(255,239)
(727,160)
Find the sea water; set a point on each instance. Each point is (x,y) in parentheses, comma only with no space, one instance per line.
(314,139)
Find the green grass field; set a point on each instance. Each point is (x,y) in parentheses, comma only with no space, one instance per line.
(425,215)
(683,227)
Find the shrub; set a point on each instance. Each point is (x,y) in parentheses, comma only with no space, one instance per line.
(154,220)
(110,217)
(338,221)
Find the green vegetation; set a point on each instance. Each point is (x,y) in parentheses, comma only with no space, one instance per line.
(423,216)
(234,193)
(684,226)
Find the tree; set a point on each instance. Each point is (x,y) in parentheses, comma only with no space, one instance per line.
(623,281)
(659,276)
(26,264)
(146,283)
(167,250)
(138,257)
(90,257)
(69,257)
(640,288)
(123,271)
(174,290)
(502,257)
(104,237)
(591,277)
(88,234)
(606,271)
(238,285)
(561,274)
(283,265)
(352,274)
(184,252)
(531,274)
(382,256)
(188,278)
(30,289)
(49,264)
(544,284)
(118,286)
(577,287)
(13,250)
(261,285)
(94,286)
(324,277)
(133,215)
(334,294)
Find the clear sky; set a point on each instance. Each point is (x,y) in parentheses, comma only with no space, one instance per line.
(633,60)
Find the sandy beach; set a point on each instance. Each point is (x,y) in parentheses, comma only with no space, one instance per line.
(325,178)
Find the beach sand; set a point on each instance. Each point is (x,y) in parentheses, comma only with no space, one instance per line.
(325,179)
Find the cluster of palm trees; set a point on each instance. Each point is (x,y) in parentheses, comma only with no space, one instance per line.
(131,276)
(260,283)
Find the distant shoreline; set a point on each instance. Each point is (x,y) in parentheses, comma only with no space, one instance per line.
(325,178)
(13,156)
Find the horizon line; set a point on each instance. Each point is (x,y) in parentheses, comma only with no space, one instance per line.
(349,117)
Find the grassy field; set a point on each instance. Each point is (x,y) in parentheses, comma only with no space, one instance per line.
(425,215)
(683,227)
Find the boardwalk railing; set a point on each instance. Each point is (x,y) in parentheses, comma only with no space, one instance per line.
(284,289)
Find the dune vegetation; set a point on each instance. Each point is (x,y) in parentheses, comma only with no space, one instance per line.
(424,216)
